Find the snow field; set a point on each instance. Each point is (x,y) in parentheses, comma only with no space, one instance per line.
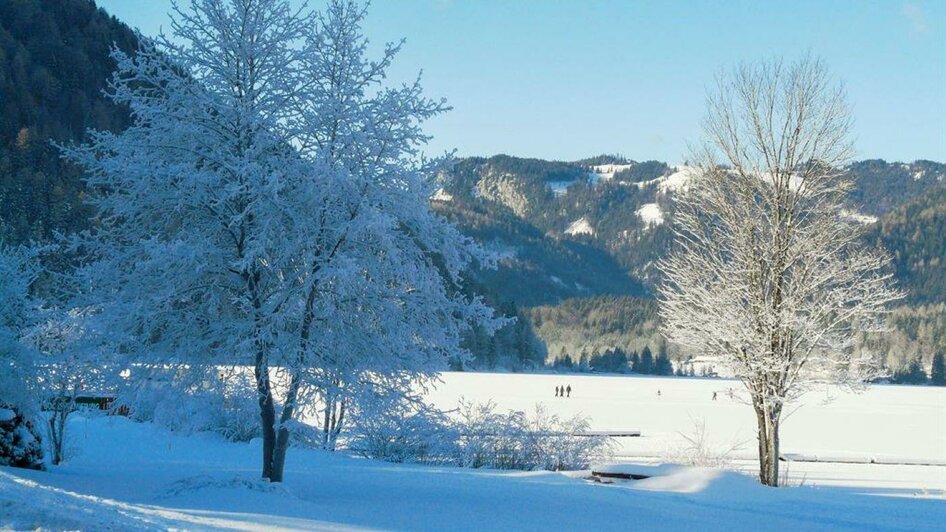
(894,424)
(131,476)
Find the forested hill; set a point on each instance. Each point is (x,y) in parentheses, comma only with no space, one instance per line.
(622,208)
(915,236)
(54,64)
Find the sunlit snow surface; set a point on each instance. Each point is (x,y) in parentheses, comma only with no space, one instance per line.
(650,214)
(580,226)
(135,476)
(892,424)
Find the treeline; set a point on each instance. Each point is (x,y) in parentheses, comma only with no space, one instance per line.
(915,373)
(605,322)
(604,158)
(642,171)
(617,360)
(514,347)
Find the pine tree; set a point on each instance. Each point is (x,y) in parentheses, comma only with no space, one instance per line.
(647,362)
(938,370)
(621,362)
(20,443)
(663,366)
(912,373)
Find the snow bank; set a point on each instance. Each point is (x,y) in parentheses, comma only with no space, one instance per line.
(857,217)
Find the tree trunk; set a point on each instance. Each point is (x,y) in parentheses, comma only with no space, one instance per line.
(337,426)
(55,437)
(62,406)
(267,411)
(768,422)
(282,434)
(327,418)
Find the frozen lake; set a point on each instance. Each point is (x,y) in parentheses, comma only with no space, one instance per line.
(884,423)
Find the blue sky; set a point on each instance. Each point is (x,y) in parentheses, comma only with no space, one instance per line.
(566,80)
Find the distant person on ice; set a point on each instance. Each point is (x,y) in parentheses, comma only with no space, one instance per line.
(658,394)
(568,390)
(714,396)
(556,391)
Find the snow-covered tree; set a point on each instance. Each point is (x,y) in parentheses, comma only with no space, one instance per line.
(20,443)
(69,363)
(767,272)
(269,207)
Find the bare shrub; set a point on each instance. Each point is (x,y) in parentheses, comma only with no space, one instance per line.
(699,450)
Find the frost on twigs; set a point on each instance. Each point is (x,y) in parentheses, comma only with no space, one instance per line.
(767,274)
(269,207)
(20,441)
(697,449)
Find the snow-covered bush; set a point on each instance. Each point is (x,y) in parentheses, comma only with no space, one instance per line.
(479,436)
(405,433)
(219,404)
(489,438)
(515,440)
(20,443)
(565,444)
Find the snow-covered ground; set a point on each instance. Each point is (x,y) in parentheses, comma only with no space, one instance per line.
(605,172)
(650,214)
(580,226)
(891,424)
(136,476)
(676,181)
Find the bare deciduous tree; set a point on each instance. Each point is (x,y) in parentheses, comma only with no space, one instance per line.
(768,271)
